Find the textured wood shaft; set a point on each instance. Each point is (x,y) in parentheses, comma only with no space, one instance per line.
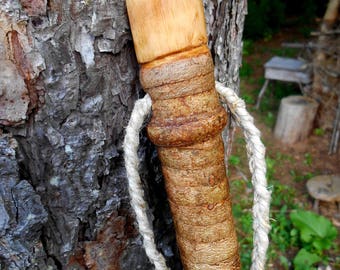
(156,24)
(186,126)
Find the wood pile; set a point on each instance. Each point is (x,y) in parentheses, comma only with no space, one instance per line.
(326,66)
(323,55)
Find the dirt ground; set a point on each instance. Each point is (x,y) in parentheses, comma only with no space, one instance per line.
(294,164)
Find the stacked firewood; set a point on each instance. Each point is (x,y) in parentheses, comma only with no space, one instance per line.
(326,65)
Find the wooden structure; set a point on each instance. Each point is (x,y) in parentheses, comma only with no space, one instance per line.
(286,70)
(177,71)
(295,119)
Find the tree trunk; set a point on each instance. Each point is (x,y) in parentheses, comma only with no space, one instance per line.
(68,82)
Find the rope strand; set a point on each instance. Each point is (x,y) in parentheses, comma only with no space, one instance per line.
(257,165)
(131,142)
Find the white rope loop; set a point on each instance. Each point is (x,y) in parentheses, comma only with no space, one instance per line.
(257,165)
(131,142)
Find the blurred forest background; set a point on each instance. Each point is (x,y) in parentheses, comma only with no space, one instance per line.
(267,17)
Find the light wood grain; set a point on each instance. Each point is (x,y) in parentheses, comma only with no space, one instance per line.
(161,28)
(178,72)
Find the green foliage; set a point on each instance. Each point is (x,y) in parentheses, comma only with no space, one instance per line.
(316,234)
(280,235)
(284,262)
(282,195)
(234,160)
(270,119)
(284,52)
(270,167)
(292,227)
(308,159)
(280,157)
(282,201)
(270,163)
(248,47)
(244,224)
(319,132)
(304,260)
(246,70)
(244,220)
(282,90)
(297,177)
(305,10)
(280,232)
(305,30)
(264,18)
(240,140)
(275,92)
(248,99)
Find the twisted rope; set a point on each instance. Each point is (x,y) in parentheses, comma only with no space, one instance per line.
(257,165)
(131,142)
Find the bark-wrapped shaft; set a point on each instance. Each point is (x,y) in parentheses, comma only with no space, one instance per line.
(186,126)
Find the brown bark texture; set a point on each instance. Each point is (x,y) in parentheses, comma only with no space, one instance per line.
(68,82)
(225,22)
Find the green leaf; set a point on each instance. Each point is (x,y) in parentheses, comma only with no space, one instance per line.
(322,244)
(284,262)
(312,225)
(234,160)
(304,260)
(319,132)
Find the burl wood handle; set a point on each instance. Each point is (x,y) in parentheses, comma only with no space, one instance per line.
(177,71)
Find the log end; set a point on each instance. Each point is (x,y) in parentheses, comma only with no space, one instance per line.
(295,119)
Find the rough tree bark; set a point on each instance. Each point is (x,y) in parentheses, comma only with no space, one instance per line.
(68,82)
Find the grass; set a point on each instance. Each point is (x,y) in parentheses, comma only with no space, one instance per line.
(246,70)
(284,237)
(243,215)
(298,177)
(319,132)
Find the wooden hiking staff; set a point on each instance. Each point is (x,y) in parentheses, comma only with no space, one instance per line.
(177,72)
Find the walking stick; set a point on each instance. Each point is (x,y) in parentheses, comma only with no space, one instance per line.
(177,71)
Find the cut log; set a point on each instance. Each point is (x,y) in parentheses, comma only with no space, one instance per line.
(324,188)
(295,119)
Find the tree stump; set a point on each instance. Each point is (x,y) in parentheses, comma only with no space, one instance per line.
(324,188)
(295,119)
